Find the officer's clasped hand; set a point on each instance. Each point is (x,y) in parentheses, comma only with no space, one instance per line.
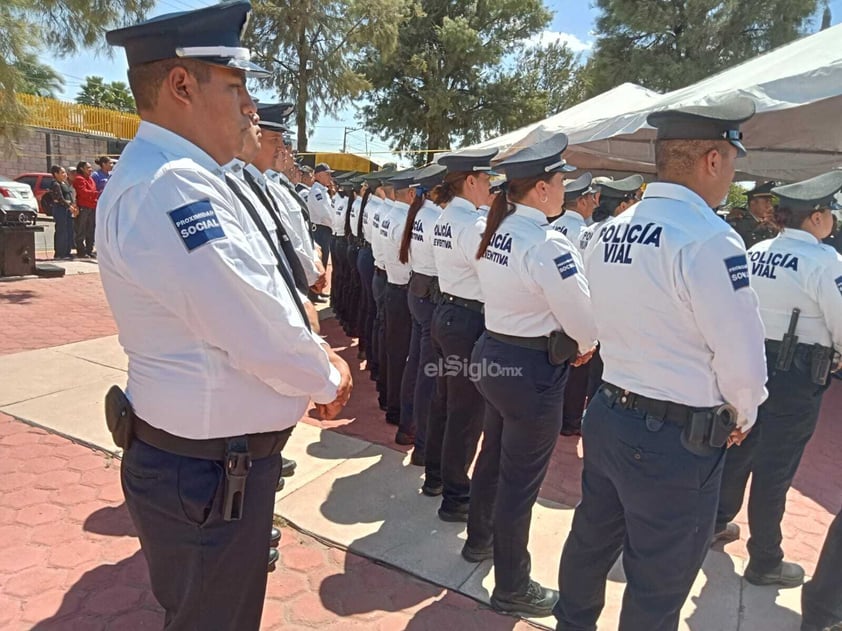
(583,359)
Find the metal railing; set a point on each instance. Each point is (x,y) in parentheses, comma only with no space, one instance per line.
(59,115)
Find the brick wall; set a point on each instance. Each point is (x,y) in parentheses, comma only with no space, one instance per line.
(66,149)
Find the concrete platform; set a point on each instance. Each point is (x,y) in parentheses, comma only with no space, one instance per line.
(366,498)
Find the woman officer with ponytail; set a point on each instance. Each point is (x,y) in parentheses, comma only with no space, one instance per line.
(793,271)
(455,418)
(538,320)
(416,249)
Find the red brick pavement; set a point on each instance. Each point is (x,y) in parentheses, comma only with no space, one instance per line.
(69,559)
(43,312)
(29,312)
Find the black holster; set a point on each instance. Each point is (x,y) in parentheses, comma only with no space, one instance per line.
(120,417)
(708,430)
(561,348)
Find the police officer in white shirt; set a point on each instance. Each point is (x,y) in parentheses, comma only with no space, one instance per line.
(303,187)
(416,249)
(319,204)
(398,327)
(613,198)
(353,217)
(454,420)
(538,319)
(365,270)
(221,361)
(798,281)
(681,336)
(580,200)
(377,205)
(579,204)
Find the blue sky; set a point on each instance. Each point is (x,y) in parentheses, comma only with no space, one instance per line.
(572,22)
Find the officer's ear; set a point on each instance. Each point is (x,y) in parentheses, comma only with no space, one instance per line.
(180,84)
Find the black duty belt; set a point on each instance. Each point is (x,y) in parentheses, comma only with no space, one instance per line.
(395,285)
(803,351)
(259,445)
(675,413)
(473,305)
(532,343)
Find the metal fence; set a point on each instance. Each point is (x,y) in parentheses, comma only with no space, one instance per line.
(51,114)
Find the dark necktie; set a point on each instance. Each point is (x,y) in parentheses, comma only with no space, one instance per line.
(286,244)
(282,261)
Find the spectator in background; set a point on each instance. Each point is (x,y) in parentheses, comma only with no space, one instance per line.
(63,211)
(87,197)
(101,176)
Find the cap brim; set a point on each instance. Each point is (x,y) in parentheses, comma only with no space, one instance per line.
(273,126)
(741,150)
(250,68)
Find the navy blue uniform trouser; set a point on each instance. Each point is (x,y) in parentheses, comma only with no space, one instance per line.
(378,331)
(644,494)
(353,289)
(522,422)
(455,423)
(322,236)
(771,453)
(419,380)
(337,284)
(63,238)
(207,573)
(397,338)
(575,395)
(365,270)
(821,598)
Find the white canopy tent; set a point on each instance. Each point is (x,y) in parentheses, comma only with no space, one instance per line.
(796,134)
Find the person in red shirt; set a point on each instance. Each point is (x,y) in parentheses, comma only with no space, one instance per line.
(86,198)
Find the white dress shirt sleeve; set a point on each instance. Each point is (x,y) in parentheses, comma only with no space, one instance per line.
(714,280)
(223,286)
(829,296)
(556,266)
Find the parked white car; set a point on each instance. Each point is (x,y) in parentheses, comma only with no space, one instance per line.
(16,195)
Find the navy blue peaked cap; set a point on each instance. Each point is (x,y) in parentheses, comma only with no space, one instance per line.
(813,194)
(473,160)
(212,35)
(538,159)
(274,116)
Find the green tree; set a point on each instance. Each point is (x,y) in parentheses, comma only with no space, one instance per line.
(111,96)
(312,46)
(554,71)
(667,45)
(62,26)
(447,81)
(37,78)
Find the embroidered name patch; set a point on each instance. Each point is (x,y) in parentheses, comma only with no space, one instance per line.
(566,265)
(196,224)
(737,271)
(838,281)
(318,196)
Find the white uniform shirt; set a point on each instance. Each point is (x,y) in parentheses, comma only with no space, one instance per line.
(586,235)
(216,345)
(677,318)
(354,211)
(421,258)
(795,270)
(533,283)
(303,191)
(367,218)
(381,212)
(235,169)
(571,224)
(339,210)
(297,229)
(319,205)
(456,237)
(391,231)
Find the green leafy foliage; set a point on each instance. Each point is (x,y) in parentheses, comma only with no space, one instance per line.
(111,96)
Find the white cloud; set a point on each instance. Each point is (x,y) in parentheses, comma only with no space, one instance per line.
(573,42)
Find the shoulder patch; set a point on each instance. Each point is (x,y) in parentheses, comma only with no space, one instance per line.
(318,196)
(566,265)
(838,281)
(737,267)
(196,224)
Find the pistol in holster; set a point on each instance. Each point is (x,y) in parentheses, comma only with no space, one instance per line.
(237,466)
(821,361)
(708,430)
(561,348)
(786,353)
(120,417)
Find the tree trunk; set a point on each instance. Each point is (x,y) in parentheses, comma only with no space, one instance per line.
(303,89)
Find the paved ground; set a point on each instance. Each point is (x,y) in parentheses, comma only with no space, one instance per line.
(69,558)
(44,313)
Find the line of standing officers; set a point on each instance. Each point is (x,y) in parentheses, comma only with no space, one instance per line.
(487,313)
